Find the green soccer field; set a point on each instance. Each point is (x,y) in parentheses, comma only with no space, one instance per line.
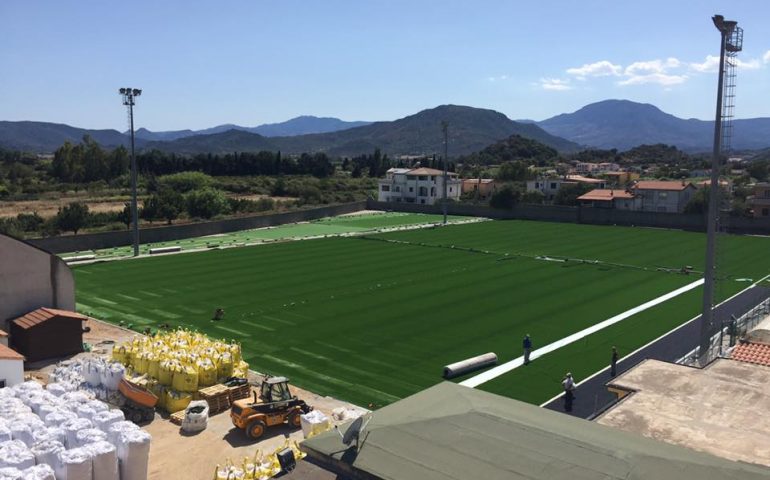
(374,319)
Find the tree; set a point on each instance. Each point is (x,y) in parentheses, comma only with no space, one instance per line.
(569,193)
(150,209)
(513,171)
(124,216)
(505,197)
(170,204)
(184,182)
(72,217)
(30,222)
(206,203)
(533,197)
(759,169)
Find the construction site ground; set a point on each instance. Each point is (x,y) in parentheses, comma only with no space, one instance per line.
(175,454)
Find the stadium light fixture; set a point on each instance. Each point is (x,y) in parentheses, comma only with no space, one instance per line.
(129,99)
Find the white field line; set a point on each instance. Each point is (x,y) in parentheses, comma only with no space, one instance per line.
(598,372)
(490,374)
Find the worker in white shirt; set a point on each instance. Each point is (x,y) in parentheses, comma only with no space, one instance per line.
(569,391)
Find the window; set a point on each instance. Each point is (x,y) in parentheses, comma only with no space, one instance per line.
(553,185)
(411,189)
(386,188)
(397,189)
(2,383)
(450,189)
(422,177)
(422,201)
(766,193)
(433,177)
(411,177)
(423,192)
(432,191)
(765,212)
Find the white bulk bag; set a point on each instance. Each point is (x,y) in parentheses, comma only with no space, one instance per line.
(10,473)
(72,427)
(16,454)
(5,434)
(47,451)
(90,435)
(134,454)
(57,389)
(115,429)
(104,458)
(92,373)
(74,464)
(38,472)
(112,374)
(21,431)
(54,419)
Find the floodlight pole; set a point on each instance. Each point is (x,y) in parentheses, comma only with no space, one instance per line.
(445,128)
(707,316)
(128,99)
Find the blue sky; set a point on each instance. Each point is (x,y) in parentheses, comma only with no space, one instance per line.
(250,62)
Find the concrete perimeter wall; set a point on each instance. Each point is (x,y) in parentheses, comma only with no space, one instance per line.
(93,241)
(588,215)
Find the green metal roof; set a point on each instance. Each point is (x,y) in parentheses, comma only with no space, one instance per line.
(454,432)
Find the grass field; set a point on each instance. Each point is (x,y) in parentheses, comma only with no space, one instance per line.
(373,319)
(370,222)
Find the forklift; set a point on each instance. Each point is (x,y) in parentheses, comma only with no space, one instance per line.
(274,406)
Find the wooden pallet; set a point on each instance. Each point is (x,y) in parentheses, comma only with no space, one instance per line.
(178,417)
(241,391)
(218,398)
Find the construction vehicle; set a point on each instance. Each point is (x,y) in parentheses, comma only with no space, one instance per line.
(275,406)
(139,403)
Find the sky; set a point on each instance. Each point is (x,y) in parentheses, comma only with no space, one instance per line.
(202,64)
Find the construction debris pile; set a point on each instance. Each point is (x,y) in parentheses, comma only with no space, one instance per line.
(258,467)
(175,365)
(54,433)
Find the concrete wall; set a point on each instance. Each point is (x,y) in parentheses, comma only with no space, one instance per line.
(31,278)
(93,241)
(12,371)
(588,215)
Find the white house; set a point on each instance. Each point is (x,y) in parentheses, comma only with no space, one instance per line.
(663,196)
(418,185)
(585,168)
(617,199)
(11,367)
(550,186)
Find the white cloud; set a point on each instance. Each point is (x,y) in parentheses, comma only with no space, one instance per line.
(602,68)
(766,56)
(658,78)
(555,84)
(498,78)
(651,66)
(711,64)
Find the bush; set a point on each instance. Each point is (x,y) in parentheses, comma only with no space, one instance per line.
(11,227)
(72,217)
(505,197)
(29,222)
(184,182)
(206,203)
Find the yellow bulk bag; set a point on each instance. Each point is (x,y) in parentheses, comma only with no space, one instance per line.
(119,354)
(166,372)
(185,379)
(241,370)
(207,373)
(176,401)
(224,365)
(140,363)
(235,351)
(159,391)
(153,366)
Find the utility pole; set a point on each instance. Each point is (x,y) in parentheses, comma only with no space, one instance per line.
(129,95)
(445,128)
(727,43)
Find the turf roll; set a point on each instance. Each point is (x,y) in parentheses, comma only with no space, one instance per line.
(469,365)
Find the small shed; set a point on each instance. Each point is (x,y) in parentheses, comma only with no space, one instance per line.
(11,367)
(47,333)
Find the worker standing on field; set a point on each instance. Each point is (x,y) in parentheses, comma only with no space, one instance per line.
(614,362)
(569,391)
(527,344)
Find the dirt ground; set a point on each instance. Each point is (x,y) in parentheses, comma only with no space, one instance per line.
(196,456)
(49,207)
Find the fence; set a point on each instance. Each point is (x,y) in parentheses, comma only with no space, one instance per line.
(95,241)
(587,215)
(734,329)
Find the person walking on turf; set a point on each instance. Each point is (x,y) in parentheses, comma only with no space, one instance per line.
(614,362)
(569,391)
(527,344)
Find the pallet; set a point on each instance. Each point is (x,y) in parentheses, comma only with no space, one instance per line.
(218,398)
(241,391)
(177,418)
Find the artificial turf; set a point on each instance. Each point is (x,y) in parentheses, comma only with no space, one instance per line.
(372,320)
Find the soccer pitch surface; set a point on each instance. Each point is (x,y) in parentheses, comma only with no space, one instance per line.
(374,319)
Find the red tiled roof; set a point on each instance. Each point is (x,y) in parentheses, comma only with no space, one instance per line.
(605,195)
(7,353)
(41,315)
(661,185)
(757,353)
(428,171)
(3,334)
(582,179)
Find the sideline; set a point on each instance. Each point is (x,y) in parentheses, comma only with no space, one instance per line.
(499,370)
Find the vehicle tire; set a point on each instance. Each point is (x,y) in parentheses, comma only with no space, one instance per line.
(294,419)
(136,417)
(255,429)
(149,415)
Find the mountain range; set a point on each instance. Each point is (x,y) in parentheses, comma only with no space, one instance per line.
(302,125)
(619,124)
(623,124)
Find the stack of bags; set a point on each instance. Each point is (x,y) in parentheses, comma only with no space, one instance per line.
(259,467)
(94,375)
(46,434)
(175,365)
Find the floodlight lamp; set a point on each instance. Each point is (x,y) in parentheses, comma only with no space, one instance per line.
(719,22)
(122,91)
(136,92)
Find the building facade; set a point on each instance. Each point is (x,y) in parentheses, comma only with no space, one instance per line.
(760,201)
(549,187)
(617,199)
(586,168)
(417,185)
(483,187)
(11,367)
(663,196)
